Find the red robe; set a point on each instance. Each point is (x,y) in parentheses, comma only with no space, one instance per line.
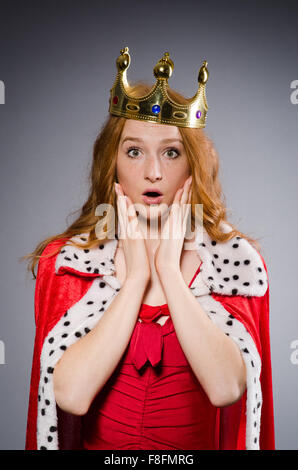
(74,288)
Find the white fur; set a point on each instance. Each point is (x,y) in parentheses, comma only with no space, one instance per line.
(84,315)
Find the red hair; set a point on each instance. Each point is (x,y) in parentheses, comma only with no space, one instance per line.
(206,188)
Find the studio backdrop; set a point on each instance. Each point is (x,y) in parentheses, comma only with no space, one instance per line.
(57,65)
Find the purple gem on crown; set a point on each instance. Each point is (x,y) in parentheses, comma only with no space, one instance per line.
(198,114)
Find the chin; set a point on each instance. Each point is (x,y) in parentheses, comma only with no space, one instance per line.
(152,211)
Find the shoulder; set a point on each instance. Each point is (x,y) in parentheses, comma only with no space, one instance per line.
(53,247)
(47,262)
(234,267)
(50,253)
(54,293)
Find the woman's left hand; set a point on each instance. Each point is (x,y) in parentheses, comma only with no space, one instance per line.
(168,253)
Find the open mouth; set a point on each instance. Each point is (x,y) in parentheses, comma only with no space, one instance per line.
(152,194)
(152,197)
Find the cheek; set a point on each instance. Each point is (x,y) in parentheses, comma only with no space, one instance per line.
(127,176)
(179,178)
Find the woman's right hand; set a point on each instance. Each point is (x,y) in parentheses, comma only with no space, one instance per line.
(136,258)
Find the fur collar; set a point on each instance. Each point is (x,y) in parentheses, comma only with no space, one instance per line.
(231,268)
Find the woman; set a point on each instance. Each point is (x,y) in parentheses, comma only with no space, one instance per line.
(146,342)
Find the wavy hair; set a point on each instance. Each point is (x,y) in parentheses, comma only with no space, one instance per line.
(206,187)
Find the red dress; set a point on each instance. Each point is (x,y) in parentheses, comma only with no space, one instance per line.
(153,399)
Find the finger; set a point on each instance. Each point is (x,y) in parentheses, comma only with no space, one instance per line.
(122,210)
(189,196)
(132,220)
(186,199)
(187,212)
(186,189)
(177,196)
(175,220)
(131,212)
(123,200)
(121,215)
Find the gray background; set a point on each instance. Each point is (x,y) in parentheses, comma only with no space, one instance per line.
(57,60)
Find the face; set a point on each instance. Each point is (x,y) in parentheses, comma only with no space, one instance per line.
(151,157)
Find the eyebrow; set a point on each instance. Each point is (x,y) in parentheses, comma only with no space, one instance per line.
(137,139)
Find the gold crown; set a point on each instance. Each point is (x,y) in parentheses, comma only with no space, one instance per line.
(157,106)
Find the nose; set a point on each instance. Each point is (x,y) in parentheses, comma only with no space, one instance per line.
(153,170)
